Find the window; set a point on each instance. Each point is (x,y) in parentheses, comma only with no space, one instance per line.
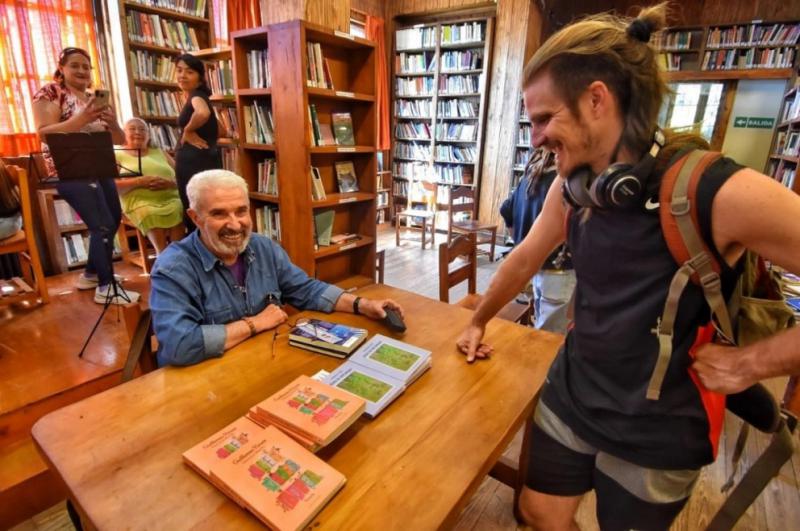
(692,107)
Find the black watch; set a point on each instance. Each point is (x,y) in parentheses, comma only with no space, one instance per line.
(355,305)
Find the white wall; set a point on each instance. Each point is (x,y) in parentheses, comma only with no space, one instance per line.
(754,98)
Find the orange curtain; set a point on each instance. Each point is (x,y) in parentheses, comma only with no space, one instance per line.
(375,33)
(34,32)
(243,14)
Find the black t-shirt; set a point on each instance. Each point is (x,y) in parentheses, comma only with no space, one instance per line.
(598,383)
(209,130)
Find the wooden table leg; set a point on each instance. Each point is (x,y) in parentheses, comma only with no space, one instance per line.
(491,245)
(424,232)
(522,469)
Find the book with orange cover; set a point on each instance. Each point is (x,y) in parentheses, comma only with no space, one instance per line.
(278,480)
(264,421)
(313,410)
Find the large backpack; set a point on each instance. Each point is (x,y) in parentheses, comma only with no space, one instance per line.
(756,310)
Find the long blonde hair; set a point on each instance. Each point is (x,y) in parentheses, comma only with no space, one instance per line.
(613,50)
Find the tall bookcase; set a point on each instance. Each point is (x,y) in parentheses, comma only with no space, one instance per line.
(219,72)
(524,147)
(440,73)
(749,50)
(351,66)
(785,150)
(155,35)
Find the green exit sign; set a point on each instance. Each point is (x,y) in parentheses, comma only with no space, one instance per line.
(753,122)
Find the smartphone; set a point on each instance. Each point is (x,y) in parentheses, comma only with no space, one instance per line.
(101,98)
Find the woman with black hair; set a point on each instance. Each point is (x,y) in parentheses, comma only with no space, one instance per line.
(198,149)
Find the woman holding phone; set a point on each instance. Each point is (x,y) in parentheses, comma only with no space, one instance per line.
(198,149)
(67,106)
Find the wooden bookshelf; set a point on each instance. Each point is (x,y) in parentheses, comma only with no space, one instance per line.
(524,148)
(351,63)
(439,105)
(782,164)
(219,72)
(749,50)
(145,43)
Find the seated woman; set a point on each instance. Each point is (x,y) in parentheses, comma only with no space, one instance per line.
(10,213)
(150,202)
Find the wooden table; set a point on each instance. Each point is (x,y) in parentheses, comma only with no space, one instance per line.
(415,466)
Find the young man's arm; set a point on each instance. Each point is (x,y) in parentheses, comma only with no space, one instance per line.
(754,212)
(526,259)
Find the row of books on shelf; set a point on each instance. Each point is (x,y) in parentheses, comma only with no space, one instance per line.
(196,8)
(382,199)
(406,150)
(323,231)
(459,84)
(521,157)
(319,74)
(147,28)
(457,108)
(670,62)
(754,34)
(400,188)
(468,32)
(339,132)
(747,59)
(412,130)
(462,60)
(414,86)
(415,38)
(227,118)
(219,75)
(464,154)
(441,172)
(413,109)
(453,174)
(230,160)
(148,66)
(267,177)
(258,125)
(466,132)
(524,134)
(787,177)
(672,40)
(65,214)
(787,144)
(346,180)
(264,461)
(76,247)
(791,109)
(268,222)
(415,63)
(158,102)
(164,136)
(258,75)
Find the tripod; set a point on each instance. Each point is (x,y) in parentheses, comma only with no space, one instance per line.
(89,158)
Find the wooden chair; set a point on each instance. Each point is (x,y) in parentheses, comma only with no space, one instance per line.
(145,256)
(32,286)
(380,262)
(462,201)
(426,216)
(464,245)
(142,352)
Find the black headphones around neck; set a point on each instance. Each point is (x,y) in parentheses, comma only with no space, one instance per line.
(619,186)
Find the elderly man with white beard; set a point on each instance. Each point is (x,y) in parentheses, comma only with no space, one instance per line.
(222,284)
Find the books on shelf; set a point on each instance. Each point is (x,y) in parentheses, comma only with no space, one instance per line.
(380,371)
(748,58)
(455,60)
(313,410)
(787,177)
(753,35)
(258,75)
(792,109)
(413,109)
(230,160)
(325,337)
(268,222)
(412,130)
(317,187)
(457,108)
(459,84)
(195,8)
(326,137)
(342,124)
(453,174)
(148,28)
(468,32)
(672,40)
(158,102)
(323,227)
(318,73)
(266,472)
(226,116)
(414,86)
(792,146)
(148,66)
(346,176)
(65,214)
(267,177)
(219,75)
(414,38)
(339,239)
(415,63)
(258,125)
(462,131)
(412,151)
(164,136)
(449,153)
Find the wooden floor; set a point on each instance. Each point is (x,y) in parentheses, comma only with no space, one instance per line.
(411,268)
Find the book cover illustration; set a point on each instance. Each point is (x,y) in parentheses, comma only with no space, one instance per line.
(323,226)
(377,389)
(346,176)
(222,444)
(343,128)
(327,334)
(279,481)
(393,358)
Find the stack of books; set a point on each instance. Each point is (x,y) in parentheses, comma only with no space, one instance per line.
(328,338)
(311,412)
(380,371)
(267,473)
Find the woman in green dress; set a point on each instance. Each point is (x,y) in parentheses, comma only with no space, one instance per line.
(150,202)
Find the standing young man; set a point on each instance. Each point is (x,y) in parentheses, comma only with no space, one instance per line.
(593,92)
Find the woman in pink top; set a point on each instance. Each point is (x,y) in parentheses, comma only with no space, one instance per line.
(65,106)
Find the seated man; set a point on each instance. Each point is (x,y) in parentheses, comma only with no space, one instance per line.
(221,284)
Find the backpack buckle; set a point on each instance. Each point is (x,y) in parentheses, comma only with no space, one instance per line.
(680,206)
(711,281)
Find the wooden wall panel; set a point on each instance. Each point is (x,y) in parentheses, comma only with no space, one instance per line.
(375,8)
(405,7)
(333,14)
(514,38)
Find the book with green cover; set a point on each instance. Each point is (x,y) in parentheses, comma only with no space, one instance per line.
(323,225)
(346,176)
(343,128)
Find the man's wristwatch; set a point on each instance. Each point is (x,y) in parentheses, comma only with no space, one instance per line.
(355,305)
(251,325)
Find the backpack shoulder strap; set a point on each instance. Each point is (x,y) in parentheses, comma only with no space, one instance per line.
(681,229)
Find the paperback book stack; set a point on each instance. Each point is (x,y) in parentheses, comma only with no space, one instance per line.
(380,371)
(266,472)
(327,338)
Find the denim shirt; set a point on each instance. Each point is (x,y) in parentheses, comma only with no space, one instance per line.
(194,295)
